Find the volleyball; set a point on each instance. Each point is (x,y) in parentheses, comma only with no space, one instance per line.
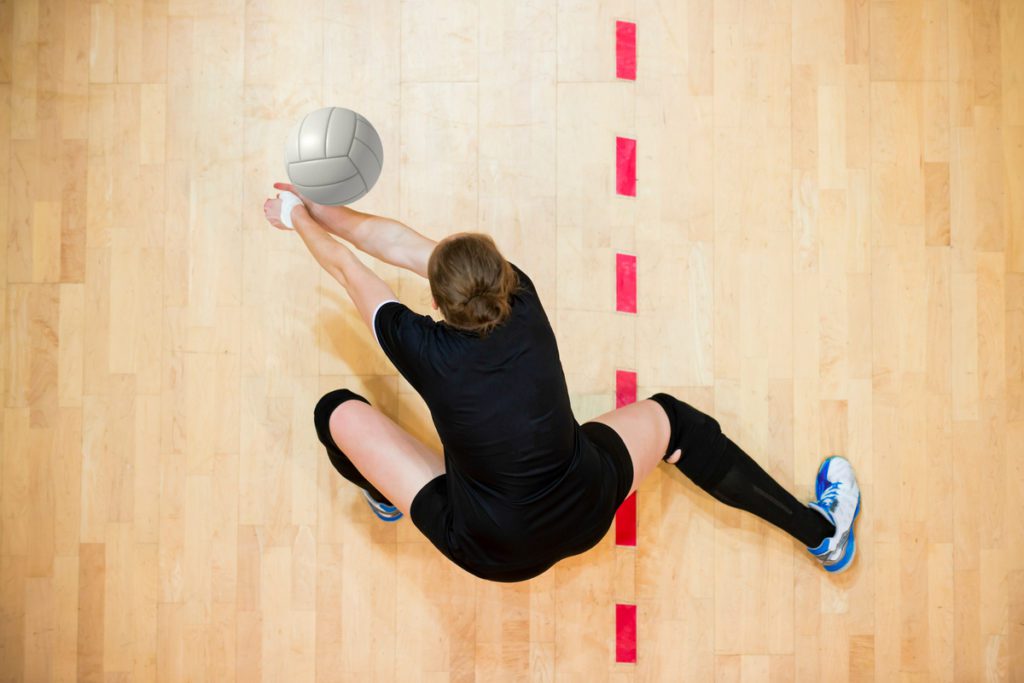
(333,156)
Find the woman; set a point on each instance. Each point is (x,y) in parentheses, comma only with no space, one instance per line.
(522,485)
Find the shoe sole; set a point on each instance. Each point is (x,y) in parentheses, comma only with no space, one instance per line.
(382,517)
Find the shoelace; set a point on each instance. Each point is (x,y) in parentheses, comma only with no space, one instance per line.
(830,497)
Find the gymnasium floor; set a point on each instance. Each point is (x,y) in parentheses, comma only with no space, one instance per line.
(829,234)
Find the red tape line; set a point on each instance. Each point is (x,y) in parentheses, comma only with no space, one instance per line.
(625,522)
(625,166)
(625,388)
(625,283)
(625,633)
(625,50)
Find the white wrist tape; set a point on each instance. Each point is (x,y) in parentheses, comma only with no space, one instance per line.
(289,200)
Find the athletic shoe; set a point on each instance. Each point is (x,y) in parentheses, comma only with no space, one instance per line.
(388,513)
(839,502)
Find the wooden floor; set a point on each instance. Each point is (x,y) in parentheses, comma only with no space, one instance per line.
(829,230)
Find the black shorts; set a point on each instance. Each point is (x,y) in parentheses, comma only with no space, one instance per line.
(604,456)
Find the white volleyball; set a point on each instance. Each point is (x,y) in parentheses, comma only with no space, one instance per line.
(333,156)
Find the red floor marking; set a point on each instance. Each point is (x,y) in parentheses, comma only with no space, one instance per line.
(625,522)
(625,388)
(625,166)
(625,633)
(625,50)
(625,283)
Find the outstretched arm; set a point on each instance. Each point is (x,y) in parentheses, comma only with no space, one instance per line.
(364,286)
(389,240)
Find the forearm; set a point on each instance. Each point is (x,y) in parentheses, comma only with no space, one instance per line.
(341,221)
(366,289)
(327,251)
(383,238)
(393,242)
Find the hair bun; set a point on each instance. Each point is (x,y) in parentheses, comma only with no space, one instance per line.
(485,306)
(472,282)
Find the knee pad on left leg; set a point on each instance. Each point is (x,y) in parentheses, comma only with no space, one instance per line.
(707,454)
(325,407)
(327,404)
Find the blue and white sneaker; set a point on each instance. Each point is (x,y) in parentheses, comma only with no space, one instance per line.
(387,513)
(839,502)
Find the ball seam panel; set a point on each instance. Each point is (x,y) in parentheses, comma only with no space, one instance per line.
(327,130)
(336,182)
(298,140)
(369,147)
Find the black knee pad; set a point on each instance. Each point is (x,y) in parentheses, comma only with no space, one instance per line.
(326,406)
(707,453)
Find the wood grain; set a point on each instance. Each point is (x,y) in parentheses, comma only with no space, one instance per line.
(829,227)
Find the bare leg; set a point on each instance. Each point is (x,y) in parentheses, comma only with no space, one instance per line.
(644,428)
(392,460)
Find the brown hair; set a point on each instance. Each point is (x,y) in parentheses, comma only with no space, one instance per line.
(472,282)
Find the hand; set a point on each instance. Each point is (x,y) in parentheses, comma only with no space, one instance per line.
(309,203)
(327,216)
(272,212)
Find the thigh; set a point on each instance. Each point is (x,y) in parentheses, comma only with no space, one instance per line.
(398,464)
(644,428)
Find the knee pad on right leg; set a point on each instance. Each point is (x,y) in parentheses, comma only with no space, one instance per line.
(327,404)
(707,454)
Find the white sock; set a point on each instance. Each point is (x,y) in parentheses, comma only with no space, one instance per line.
(289,200)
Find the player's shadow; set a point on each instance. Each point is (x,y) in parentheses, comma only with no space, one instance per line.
(344,336)
(347,339)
